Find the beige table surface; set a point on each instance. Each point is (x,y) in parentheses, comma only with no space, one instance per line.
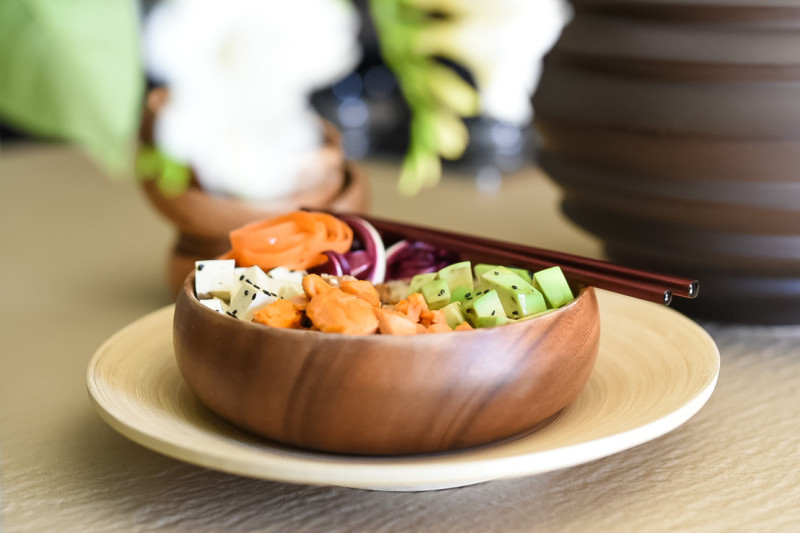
(83,257)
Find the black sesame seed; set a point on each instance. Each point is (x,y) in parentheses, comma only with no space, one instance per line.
(515,312)
(200,267)
(493,312)
(235,311)
(241,277)
(254,295)
(468,295)
(246,292)
(513,286)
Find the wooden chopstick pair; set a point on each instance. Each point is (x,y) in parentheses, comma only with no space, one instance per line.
(642,284)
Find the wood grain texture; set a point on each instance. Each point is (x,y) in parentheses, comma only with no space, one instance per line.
(386,394)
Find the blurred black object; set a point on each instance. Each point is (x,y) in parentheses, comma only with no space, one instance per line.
(9,134)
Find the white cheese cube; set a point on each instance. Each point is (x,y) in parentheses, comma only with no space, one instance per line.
(284,274)
(213,277)
(247,300)
(291,281)
(215,304)
(252,276)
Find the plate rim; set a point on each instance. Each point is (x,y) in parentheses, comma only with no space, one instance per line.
(448,465)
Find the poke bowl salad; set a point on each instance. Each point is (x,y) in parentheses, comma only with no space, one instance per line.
(319,332)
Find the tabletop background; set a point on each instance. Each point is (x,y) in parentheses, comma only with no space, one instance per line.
(84,256)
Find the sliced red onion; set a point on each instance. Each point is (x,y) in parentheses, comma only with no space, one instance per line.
(360,262)
(337,265)
(373,245)
(405,259)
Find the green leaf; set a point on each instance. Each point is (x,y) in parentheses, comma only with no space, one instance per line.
(71,69)
(453,92)
(175,177)
(171,177)
(421,168)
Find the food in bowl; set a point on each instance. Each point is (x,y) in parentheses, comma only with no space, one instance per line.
(437,302)
(373,393)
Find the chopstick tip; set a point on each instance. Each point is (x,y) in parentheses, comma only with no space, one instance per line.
(694,289)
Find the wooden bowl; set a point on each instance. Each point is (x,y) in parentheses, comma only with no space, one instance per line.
(384,394)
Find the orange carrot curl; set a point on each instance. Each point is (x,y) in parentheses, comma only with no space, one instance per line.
(296,241)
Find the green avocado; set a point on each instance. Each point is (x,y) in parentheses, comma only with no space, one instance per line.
(457,275)
(519,298)
(436,293)
(553,284)
(486,305)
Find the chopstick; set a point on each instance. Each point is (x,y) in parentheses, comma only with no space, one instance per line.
(642,284)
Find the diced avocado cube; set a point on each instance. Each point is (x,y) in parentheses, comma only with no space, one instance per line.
(554,286)
(453,315)
(481,268)
(534,315)
(518,297)
(436,293)
(521,304)
(503,275)
(492,321)
(457,275)
(419,280)
(522,273)
(462,294)
(488,304)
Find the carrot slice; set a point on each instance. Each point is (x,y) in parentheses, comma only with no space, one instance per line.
(394,323)
(335,311)
(438,327)
(363,289)
(295,240)
(413,306)
(279,314)
(313,284)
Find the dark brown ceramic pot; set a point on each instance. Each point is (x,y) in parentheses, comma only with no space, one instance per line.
(202,221)
(386,394)
(673,128)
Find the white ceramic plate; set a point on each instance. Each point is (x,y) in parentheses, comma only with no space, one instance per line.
(655,370)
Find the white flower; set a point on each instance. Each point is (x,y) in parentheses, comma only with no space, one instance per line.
(240,74)
(501,42)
